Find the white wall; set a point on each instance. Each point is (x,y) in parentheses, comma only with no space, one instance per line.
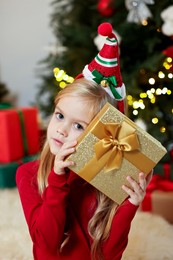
(25,36)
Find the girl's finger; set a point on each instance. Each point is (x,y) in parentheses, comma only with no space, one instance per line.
(64,153)
(142,181)
(59,167)
(132,183)
(69,144)
(127,190)
(149,177)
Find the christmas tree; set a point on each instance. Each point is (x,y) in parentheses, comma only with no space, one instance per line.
(7,98)
(145,36)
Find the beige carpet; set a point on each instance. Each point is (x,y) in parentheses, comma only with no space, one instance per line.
(151,237)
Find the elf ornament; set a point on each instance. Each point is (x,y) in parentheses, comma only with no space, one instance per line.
(104,69)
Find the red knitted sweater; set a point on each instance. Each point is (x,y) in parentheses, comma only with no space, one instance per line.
(67,204)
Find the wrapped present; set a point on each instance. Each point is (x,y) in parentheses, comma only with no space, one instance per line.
(162,203)
(19,133)
(159,197)
(5,105)
(111,148)
(7,174)
(8,171)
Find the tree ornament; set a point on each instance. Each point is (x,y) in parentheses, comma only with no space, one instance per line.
(167,17)
(169,51)
(105,7)
(138,10)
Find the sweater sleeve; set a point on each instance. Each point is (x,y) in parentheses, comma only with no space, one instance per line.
(115,245)
(46,215)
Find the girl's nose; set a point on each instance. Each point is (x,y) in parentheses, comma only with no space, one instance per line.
(62,129)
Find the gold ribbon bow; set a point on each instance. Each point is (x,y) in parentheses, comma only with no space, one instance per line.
(115,140)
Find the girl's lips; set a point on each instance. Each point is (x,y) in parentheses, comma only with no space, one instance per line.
(58,142)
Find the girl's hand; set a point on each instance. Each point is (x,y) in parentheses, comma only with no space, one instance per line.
(59,163)
(138,190)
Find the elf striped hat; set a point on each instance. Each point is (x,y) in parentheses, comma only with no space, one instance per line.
(104,69)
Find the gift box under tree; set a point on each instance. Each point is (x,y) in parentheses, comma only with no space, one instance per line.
(19,133)
(8,171)
(159,193)
(111,148)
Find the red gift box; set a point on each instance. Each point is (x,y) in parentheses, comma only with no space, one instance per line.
(19,133)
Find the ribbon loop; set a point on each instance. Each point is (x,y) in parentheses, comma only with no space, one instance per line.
(113,144)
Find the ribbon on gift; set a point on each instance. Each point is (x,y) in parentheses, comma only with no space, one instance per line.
(5,106)
(159,183)
(110,81)
(116,142)
(167,170)
(115,139)
(23,132)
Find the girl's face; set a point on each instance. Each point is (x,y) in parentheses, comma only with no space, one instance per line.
(69,120)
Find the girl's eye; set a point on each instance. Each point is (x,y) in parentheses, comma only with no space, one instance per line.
(78,126)
(59,115)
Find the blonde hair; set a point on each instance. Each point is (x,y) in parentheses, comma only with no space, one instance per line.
(100,224)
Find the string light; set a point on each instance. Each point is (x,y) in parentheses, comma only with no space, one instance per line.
(62,84)
(161,75)
(151,81)
(62,77)
(153,100)
(153,90)
(144,22)
(143,95)
(170,75)
(162,129)
(152,93)
(167,64)
(158,91)
(155,120)
(130,100)
(164,90)
(169,59)
(135,112)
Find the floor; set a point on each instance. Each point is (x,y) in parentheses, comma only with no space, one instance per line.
(151,237)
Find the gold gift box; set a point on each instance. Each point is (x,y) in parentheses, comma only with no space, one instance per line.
(111,148)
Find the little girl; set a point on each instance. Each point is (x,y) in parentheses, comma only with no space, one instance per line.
(68,219)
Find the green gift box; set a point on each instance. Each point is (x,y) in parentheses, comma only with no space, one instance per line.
(8,171)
